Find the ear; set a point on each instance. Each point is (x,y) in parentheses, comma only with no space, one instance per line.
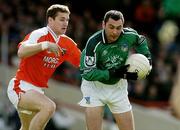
(50,20)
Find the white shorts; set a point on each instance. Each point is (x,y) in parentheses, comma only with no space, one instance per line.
(115,96)
(16,88)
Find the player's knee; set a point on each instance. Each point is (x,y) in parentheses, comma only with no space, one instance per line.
(49,107)
(24,128)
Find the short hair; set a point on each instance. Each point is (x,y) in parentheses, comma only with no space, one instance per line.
(114,14)
(54,9)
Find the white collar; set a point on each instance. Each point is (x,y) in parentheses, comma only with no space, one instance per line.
(53,34)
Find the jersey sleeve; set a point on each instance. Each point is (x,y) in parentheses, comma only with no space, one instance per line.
(139,41)
(88,66)
(142,46)
(31,38)
(74,53)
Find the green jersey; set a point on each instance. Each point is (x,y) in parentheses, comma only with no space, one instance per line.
(98,56)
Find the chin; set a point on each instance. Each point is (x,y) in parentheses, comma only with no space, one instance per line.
(63,32)
(115,39)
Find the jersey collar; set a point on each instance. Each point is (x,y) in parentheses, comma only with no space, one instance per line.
(53,34)
(104,39)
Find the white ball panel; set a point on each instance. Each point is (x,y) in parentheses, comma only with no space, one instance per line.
(140,64)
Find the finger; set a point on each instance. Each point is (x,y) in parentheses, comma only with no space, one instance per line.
(60,49)
(57,52)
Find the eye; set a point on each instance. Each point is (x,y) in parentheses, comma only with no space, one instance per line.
(62,19)
(111,27)
(119,28)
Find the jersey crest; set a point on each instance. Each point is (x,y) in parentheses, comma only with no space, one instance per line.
(90,60)
(124,47)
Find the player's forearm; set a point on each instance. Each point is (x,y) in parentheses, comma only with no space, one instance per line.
(75,60)
(27,50)
(96,75)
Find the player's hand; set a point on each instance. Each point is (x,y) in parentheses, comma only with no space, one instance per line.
(54,48)
(122,73)
(119,73)
(131,76)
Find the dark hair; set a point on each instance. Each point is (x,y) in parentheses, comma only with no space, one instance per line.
(54,9)
(114,14)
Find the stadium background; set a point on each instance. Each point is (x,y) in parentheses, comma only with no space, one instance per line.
(158,20)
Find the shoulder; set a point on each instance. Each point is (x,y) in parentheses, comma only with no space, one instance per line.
(36,34)
(133,34)
(65,38)
(93,41)
(129,31)
(40,31)
(96,37)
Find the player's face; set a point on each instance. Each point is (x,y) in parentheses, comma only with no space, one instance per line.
(60,23)
(113,29)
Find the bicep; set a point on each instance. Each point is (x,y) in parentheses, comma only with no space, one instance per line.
(89,69)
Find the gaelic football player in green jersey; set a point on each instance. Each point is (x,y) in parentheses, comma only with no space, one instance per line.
(104,73)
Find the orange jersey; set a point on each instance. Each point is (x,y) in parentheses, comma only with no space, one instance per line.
(37,69)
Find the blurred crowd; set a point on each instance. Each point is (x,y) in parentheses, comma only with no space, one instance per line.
(158,20)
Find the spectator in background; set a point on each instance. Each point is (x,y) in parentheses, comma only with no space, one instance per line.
(136,90)
(145,16)
(41,52)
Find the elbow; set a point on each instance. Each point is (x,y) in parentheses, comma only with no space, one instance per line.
(20,54)
(87,78)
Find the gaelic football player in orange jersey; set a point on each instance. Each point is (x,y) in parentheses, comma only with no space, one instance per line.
(41,52)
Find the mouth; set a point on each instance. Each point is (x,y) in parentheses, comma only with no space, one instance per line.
(114,37)
(63,28)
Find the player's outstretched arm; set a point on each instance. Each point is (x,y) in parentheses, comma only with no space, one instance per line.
(27,50)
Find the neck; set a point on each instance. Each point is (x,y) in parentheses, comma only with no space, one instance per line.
(52,32)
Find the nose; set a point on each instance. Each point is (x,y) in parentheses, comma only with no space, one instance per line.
(66,22)
(115,32)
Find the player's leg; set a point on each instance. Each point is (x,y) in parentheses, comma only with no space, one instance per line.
(120,106)
(92,101)
(25,120)
(125,121)
(34,101)
(94,118)
(122,112)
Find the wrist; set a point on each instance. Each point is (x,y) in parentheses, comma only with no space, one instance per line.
(44,46)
